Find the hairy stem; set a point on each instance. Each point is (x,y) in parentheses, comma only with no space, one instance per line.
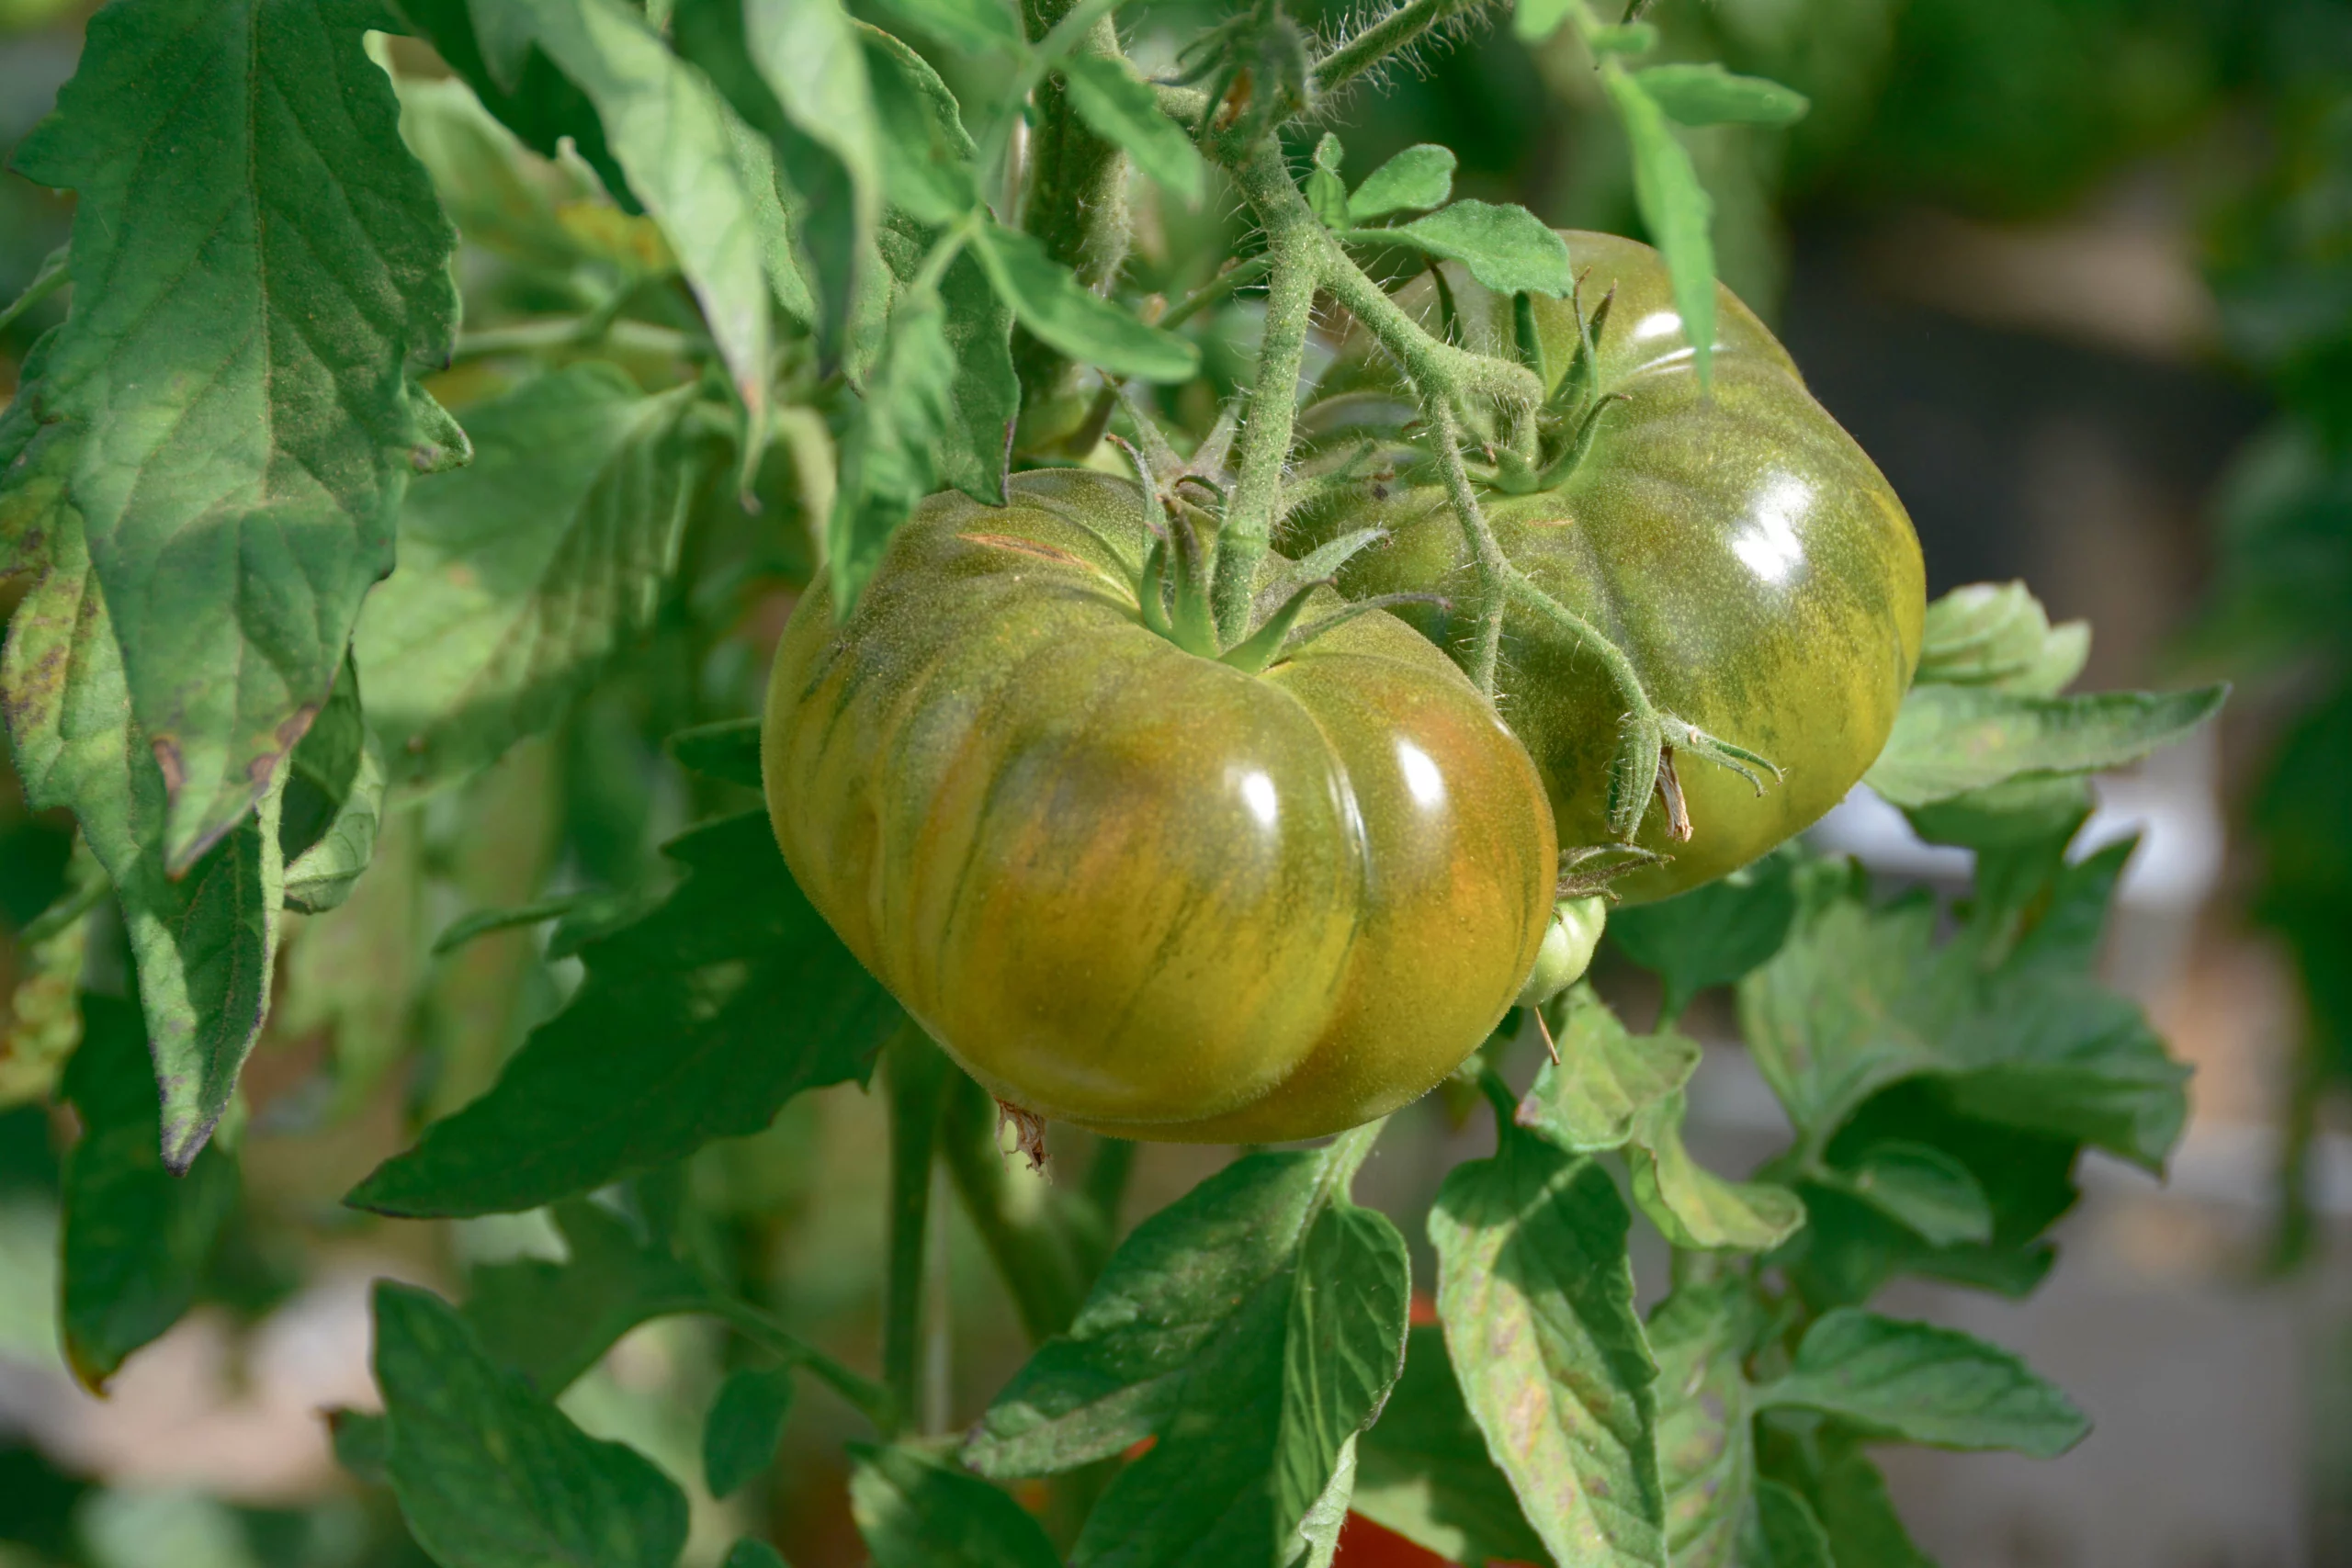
(915,1073)
(1044,1263)
(1382,39)
(1494,571)
(869,1398)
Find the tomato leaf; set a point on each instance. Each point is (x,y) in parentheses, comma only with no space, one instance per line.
(1536,1293)
(1780,1531)
(1709,95)
(814,58)
(521,576)
(1920,1186)
(749,1553)
(1414,180)
(489,1474)
(1705,1440)
(705,178)
(889,457)
(1073,321)
(745,1424)
(915,1511)
(249,441)
(1848,1496)
(515,83)
(1423,1470)
(1996,634)
(1674,208)
(136,1238)
(1691,1205)
(728,749)
(334,804)
(977,26)
(695,1021)
(1590,1099)
(1713,935)
(1122,108)
(1950,739)
(1508,249)
(1327,193)
(1924,1384)
(203,944)
(552,1321)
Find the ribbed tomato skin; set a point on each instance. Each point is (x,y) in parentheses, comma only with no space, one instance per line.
(1137,889)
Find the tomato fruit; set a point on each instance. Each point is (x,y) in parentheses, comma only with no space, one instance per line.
(1738,547)
(1137,888)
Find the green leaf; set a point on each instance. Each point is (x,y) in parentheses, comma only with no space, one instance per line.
(136,1238)
(489,1474)
(332,806)
(814,57)
(1708,94)
(1950,739)
(1694,1207)
(1073,321)
(1924,1384)
(1605,1078)
(696,1021)
(1327,193)
(745,1424)
(1414,180)
(729,749)
(363,1445)
(1781,1532)
(888,459)
(1536,20)
(1423,1471)
(523,575)
(500,196)
(1123,109)
(1536,1293)
(1675,209)
(2063,1056)
(1848,1496)
(1713,935)
(1307,1366)
(551,1321)
(927,153)
(1507,248)
(203,944)
(982,26)
(1705,1441)
(55,273)
(915,1511)
(703,174)
(525,90)
(1924,1187)
(1996,634)
(1179,1284)
(260,264)
(749,1553)
(984,399)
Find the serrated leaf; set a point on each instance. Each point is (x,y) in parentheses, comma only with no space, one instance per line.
(522,575)
(888,458)
(1423,1470)
(1694,1207)
(1414,180)
(1705,1441)
(745,1424)
(1341,1353)
(1950,739)
(136,1239)
(1712,935)
(915,1511)
(1924,1384)
(702,174)
(503,198)
(1122,108)
(1675,209)
(1709,95)
(1780,1531)
(203,944)
(980,25)
(2064,1055)
(1508,249)
(333,804)
(261,263)
(1587,1100)
(552,1321)
(1996,634)
(489,1474)
(695,1021)
(925,152)
(813,56)
(517,83)
(1920,1186)
(1072,320)
(1536,1293)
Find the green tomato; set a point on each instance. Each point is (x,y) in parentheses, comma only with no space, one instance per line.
(1566,952)
(1134,888)
(1738,547)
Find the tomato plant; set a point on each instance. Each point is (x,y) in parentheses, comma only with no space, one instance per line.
(441,410)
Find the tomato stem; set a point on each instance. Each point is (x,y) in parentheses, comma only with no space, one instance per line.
(1494,571)
(1382,39)
(915,1075)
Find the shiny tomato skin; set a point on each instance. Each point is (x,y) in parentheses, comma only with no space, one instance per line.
(1134,888)
(1740,547)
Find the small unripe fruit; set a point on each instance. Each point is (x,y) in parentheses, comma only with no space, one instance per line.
(1566,952)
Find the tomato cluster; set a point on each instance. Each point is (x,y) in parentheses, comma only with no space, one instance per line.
(1135,883)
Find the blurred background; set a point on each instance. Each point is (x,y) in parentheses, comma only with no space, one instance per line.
(2076,273)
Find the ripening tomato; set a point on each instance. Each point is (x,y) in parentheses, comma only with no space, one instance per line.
(1138,888)
(1737,545)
